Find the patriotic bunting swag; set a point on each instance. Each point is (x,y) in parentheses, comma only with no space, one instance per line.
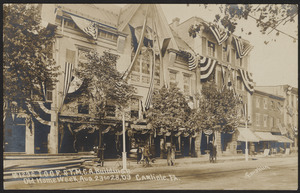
(220,35)
(247,79)
(31,110)
(207,66)
(242,48)
(192,61)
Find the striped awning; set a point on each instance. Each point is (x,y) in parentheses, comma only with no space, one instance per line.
(283,139)
(266,136)
(247,134)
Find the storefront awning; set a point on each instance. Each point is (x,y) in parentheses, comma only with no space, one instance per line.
(247,134)
(283,139)
(266,136)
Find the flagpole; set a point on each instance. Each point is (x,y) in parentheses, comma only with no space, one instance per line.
(246,150)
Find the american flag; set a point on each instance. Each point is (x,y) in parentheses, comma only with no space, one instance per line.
(92,30)
(67,79)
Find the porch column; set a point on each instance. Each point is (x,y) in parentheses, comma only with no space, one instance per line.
(53,134)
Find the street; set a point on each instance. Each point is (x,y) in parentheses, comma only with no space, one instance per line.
(270,173)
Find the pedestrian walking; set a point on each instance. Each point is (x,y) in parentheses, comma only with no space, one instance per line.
(169,155)
(172,156)
(139,155)
(146,154)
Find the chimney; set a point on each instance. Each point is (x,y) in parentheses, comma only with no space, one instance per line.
(175,22)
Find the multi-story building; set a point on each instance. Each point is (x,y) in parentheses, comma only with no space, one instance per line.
(268,115)
(289,109)
(230,66)
(65,125)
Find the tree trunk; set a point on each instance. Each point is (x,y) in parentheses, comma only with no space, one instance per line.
(198,144)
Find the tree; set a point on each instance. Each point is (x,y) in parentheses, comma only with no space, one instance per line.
(28,65)
(169,111)
(217,111)
(268,17)
(103,84)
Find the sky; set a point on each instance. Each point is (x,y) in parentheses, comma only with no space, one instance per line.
(273,64)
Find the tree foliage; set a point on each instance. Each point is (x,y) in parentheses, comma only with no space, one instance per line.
(103,82)
(169,111)
(268,17)
(217,110)
(27,53)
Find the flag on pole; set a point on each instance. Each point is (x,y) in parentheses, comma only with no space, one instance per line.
(242,48)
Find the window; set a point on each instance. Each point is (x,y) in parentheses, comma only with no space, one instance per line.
(141,70)
(173,79)
(265,104)
(271,120)
(272,105)
(265,120)
(134,108)
(219,79)
(224,53)
(257,119)
(239,83)
(211,49)
(83,108)
(108,35)
(82,55)
(186,84)
(110,110)
(257,102)
(48,95)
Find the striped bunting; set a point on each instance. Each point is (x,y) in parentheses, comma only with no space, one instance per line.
(220,35)
(67,79)
(242,48)
(31,110)
(42,106)
(207,65)
(248,82)
(192,61)
(207,131)
(151,88)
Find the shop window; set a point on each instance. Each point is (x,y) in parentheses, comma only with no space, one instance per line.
(83,108)
(110,110)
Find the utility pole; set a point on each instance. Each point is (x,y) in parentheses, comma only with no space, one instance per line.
(246,120)
(124,158)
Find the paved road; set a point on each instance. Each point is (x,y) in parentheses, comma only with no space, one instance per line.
(262,174)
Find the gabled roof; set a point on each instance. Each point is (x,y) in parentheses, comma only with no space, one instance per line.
(100,13)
